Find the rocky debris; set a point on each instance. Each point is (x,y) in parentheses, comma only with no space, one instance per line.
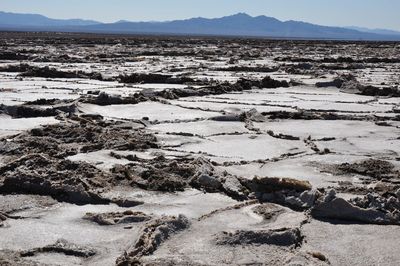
(47,72)
(313,115)
(15,68)
(337,82)
(158,174)
(226,118)
(354,86)
(304,201)
(274,184)
(340,59)
(349,84)
(377,169)
(29,110)
(113,218)
(390,204)
(44,169)
(373,208)
(222,88)
(104,99)
(268,211)
(75,182)
(64,247)
(44,101)
(153,235)
(282,136)
(310,143)
(206,176)
(300,69)
(163,174)
(153,78)
(278,237)
(262,69)
(370,209)
(295,194)
(271,83)
(252,115)
(76,135)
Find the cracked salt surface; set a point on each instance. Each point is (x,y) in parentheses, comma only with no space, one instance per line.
(203,152)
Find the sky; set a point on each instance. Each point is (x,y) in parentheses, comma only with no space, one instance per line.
(362,13)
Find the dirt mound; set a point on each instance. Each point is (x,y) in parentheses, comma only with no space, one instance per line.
(226,87)
(104,99)
(354,86)
(282,136)
(159,174)
(390,204)
(29,110)
(78,135)
(112,218)
(278,237)
(252,116)
(377,169)
(311,115)
(153,78)
(64,247)
(268,211)
(273,184)
(264,69)
(45,171)
(152,236)
(349,84)
(171,175)
(47,72)
(340,209)
(372,209)
(64,180)
(337,82)
(271,83)
(15,68)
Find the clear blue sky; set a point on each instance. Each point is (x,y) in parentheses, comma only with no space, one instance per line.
(366,13)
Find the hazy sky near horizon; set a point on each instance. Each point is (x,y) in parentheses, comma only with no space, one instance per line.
(364,13)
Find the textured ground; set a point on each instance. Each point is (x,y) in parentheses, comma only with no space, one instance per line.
(194,151)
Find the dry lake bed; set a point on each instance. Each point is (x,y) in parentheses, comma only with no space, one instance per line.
(119,150)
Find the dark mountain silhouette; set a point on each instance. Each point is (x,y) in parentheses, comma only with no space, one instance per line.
(236,25)
(34,20)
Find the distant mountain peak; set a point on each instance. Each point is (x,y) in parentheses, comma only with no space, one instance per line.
(123,21)
(241,15)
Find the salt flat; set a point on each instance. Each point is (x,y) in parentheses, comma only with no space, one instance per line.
(198,151)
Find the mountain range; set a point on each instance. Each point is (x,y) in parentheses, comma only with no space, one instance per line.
(22,21)
(239,24)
